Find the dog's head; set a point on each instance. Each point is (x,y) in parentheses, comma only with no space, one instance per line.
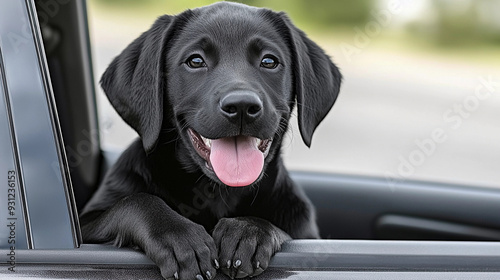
(227,77)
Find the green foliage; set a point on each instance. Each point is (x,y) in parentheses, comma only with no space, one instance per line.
(315,13)
(322,13)
(463,24)
(444,23)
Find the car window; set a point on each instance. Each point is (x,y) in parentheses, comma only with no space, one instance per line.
(420,94)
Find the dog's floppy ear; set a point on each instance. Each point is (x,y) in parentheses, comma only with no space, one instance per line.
(316,80)
(134,81)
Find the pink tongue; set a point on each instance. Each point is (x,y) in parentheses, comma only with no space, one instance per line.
(236,160)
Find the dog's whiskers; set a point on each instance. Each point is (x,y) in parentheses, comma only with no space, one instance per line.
(304,106)
(213,185)
(169,141)
(168,129)
(199,178)
(256,187)
(222,198)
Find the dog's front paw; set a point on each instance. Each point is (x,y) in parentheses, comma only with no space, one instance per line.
(246,245)
(187,252)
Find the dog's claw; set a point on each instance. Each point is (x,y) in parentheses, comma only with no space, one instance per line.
(258,270)
(208,274)
(216,264)
(199,277)
(228,263)
(237,263)
(174,277)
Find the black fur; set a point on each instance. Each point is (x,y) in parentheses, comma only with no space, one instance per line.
(160,196)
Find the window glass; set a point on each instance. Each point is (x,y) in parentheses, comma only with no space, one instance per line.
(421,93)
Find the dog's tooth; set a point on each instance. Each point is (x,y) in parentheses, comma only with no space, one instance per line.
(206,141)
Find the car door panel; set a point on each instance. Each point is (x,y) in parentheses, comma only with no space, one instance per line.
(362,207)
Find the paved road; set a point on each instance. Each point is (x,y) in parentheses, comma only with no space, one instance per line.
(398,116)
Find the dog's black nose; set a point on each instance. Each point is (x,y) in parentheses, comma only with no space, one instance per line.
(241,105)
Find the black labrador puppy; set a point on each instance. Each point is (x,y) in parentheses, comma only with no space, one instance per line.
(210,92)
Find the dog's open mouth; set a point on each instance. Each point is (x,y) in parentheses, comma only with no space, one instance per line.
(237,161)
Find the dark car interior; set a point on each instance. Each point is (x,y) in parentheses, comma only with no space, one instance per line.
(435,225)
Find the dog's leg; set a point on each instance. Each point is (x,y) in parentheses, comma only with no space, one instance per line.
(182,249)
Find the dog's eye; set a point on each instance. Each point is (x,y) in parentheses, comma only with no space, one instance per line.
(269,62)
(196,61)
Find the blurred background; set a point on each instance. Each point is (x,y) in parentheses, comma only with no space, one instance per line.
(420,98)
